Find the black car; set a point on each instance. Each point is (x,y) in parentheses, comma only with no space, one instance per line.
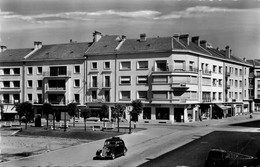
(113,147)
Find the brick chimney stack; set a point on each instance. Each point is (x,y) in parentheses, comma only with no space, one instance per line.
(37,45)
(185,38)
(2,48)
(228,52)
(203,43)
(196,40)
(142,37)
(97,36)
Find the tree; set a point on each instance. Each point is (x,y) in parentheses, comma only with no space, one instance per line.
(117,113)
(47,109)
(85,113)
(25,111)
(104,112)
(137,109)
(72,111)
(1,110)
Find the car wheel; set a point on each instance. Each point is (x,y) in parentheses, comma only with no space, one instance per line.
(124,152)
(113,156)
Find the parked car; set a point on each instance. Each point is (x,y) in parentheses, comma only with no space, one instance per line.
(113,147)
(223,158)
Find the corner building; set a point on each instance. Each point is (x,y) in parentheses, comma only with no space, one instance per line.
(177,78)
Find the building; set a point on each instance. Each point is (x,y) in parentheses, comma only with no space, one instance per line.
(177,78)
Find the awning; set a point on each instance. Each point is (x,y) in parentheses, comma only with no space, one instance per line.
(9,109)
(221,106)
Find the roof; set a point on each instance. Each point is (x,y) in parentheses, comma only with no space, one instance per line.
(255,62)
(14,54)
(61,51)
(107,44)
(150,44)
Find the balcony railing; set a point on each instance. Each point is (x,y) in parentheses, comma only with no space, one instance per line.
(49,74)
(206,100)
(179,85)
(173,70)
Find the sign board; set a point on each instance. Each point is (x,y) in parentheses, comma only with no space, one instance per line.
(129,108)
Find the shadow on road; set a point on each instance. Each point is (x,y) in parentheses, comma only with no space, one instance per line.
(255,124)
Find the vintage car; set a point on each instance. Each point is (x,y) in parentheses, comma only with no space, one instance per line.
(223,158)
(113,147)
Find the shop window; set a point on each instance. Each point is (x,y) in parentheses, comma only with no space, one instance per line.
(163,113)
(147,113)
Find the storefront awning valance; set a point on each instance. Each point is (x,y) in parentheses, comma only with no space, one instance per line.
(221,106)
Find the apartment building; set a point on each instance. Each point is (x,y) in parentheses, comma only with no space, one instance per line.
(47,73)
(177,78)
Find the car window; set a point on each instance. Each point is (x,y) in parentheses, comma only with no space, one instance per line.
(110,143)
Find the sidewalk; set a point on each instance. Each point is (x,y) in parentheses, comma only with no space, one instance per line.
(84,152)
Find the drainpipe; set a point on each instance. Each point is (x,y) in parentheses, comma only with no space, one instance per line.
(115,77)
(84,81)
(23,82)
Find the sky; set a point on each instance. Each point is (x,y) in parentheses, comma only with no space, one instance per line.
(235,23)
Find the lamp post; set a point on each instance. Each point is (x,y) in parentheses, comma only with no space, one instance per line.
(129,109)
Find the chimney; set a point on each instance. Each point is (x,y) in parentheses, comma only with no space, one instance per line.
(123,37)
(37,45)
(176,36)
(143,37)
(244,59)
(196,40)
(3,48)
(228,52)
(185,38)
(97,36)
(203,43)
(71,41)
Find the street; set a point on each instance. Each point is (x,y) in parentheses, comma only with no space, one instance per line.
(176,145)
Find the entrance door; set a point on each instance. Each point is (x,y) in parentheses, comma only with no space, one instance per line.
(179,114)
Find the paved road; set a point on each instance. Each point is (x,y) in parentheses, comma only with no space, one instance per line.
(143,146)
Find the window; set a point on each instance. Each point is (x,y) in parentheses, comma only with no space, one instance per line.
(240,84)
(56,71)
(220,82)
(125,80)
(142,94)
(147,112)
(142,79)
(162,113)
(6,98)
(142,65)
(236,71)
(214,69)
(219,96)
(76,83)
(16,84)
(240,72)
(191,66)
(6,84)
(39,84)
(29,84)
(30,70)
(16,98)
(16,71)
(214,82)
(94,94)
(160,95)
(214,96)
(107,65)
(125,95)
(107,81)
(206,81)
(6,71)
(76,97)
(160,79)
(29,97)
(161,65)
(39,98)
(77,69)
(220,69)
(94,65)
(39,70)
(179,65)
(125,65)
(236,83)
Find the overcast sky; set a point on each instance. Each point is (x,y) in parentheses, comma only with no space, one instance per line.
(221,22)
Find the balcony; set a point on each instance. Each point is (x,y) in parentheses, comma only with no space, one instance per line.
(49,74)
(94,85)
(228,74)
(106,85)
(173,70)
(227,86)
(177,85)
(205,100)
(56,89)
